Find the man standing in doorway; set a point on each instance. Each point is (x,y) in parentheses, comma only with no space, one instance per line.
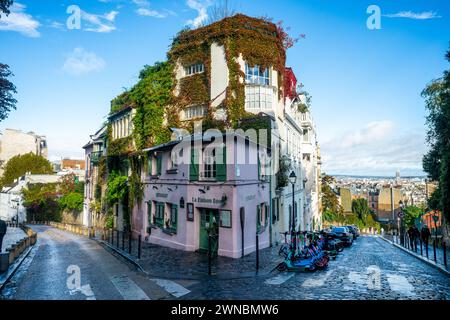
(3,228)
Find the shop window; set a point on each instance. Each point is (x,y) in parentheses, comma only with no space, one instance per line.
(149,213)
(173,218)
(159,214)
(225,218)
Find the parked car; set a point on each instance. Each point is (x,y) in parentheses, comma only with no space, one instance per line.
(343,234)
(354,230)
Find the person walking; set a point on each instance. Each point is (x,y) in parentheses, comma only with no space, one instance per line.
(425,234)
(3,228)
(411,237)
(416,237)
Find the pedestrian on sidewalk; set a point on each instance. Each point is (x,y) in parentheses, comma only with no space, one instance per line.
(411,237)
(3,228)
(416,237)
(425,234)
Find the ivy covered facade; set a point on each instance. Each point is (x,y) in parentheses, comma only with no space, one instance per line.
(230,75)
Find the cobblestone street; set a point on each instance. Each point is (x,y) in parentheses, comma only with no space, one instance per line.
(371,269)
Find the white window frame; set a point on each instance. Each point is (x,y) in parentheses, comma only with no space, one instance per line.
(194,69)
(253,75)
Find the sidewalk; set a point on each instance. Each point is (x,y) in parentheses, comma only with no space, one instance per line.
(163,262)
(12,236)
(439,253)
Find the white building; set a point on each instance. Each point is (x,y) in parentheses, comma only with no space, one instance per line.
(15,142)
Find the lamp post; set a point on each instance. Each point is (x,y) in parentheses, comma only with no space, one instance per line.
(293,179)
(402,239)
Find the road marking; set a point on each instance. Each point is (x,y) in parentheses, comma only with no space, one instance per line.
(172,287)
(86,290)
(317,282)
(400,284)
(128,288)
(279,279)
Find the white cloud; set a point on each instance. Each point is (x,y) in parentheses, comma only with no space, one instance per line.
(380,148)
(373,131)
(20,21)
(100,23)
(80,62)
(150,13)
(145,10)
(413,15)
(201,6)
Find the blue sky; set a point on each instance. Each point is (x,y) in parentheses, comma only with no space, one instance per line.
(365,84)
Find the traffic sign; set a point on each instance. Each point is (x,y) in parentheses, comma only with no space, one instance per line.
(400,214)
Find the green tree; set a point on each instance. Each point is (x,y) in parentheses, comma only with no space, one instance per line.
(4,6)
(7,89)
(41,201)
(331,208)
(19,165)
(411,213)
(72,201)
(360,207)
(437,161)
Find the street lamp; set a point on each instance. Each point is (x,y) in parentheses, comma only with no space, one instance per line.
(293,179)
(402,206)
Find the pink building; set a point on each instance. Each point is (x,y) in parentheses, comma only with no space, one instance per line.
(189,191)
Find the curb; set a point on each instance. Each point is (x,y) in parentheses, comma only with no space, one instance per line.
(431,263)
(13,268)
(223,276)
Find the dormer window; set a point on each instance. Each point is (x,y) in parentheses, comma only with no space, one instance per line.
(194,69)
(254,75)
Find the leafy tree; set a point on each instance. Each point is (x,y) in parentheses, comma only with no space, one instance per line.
(330,202)
(437,161)
(70,184)
(7,89)
(41,201)
(360,207)
(18,165)
(117,188)
(72,201)
(4,6)
(411,213)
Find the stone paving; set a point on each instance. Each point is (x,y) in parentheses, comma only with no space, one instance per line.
(12,236)
(371,269)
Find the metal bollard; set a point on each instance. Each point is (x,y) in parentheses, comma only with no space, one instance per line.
(444,247)
(112,237)
(257,252)
(426,248)
(123,240)
(139,246)
(421,252)
(434,249)
(209,254)
(117,240)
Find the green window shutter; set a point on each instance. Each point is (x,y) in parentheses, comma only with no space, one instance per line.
(194,166)
(174,217)
(158,164)
(222,167)
(149,165)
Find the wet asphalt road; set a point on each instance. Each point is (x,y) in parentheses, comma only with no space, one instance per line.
(44,273)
